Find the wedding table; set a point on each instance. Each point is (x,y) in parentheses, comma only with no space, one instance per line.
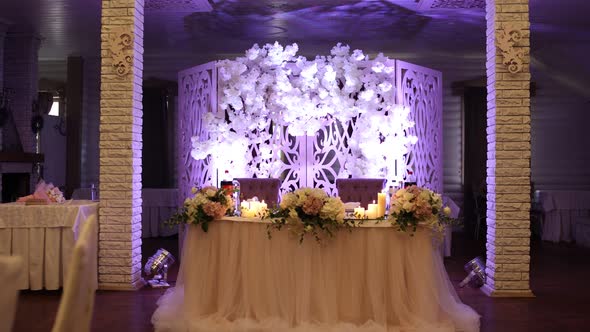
(373,278)
(561,209)
(44,236)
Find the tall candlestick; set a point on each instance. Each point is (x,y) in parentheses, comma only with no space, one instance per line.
(381,204)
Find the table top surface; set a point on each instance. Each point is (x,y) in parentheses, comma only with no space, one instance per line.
(71,202)
(367,223)
(68,214)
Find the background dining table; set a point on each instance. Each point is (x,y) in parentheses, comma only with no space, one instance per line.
(44,236)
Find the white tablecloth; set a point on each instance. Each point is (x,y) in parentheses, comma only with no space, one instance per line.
(234,278)
(158,205)
(44,236)
(560,210)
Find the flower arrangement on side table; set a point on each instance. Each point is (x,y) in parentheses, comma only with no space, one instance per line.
(309,211)
(207,204)
(44,193)
(413,206)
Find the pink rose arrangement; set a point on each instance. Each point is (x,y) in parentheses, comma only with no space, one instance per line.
(44,192)
(207,204)
(309,211)
(413,206)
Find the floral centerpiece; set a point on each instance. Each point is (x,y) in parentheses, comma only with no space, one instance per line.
(44,193)
(207,204)
(54,194)
(309,211)
(415,206)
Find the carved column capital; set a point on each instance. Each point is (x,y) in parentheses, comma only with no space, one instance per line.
(121,49)
(507,38)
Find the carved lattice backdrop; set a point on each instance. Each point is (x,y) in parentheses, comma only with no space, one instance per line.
(197,94)
(316,161)
(420,88)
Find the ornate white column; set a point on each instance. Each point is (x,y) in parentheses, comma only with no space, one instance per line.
(509,148)
(120,145)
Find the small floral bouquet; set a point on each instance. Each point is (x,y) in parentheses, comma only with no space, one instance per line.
(54,194)
(44,193)
(309,211)
(415,206)
(207,204)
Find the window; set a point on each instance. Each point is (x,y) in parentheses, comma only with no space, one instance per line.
(54,111)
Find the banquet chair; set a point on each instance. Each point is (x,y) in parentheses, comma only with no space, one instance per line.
(266,189)
(77,301)
(11,267)
(363,191)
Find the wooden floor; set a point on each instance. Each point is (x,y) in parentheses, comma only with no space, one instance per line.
(559,279)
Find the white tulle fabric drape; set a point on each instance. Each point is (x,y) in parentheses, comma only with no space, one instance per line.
(234,278)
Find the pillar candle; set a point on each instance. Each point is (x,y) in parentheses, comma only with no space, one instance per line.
(381,205)
(372,211)
(262,207)
(254,208)
(359,213)
(245,205)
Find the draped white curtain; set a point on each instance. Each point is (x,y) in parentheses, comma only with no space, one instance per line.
(370,279)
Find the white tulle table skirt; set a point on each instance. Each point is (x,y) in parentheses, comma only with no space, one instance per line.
(234,278)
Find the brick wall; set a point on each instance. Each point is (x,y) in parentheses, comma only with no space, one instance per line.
(120,148)
(509,152)
(20,74)
(2,36)
(3,28)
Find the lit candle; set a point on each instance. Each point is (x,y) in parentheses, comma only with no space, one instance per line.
(254,208)
(247,209)
(372,211)
(245,205)
(381,204)
(262,207)
(359,213)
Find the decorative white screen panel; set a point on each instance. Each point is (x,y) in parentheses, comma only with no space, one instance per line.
(287,161)
(314,161)
(330,147)
(420,88)
(197,90)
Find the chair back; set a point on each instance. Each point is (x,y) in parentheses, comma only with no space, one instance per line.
(77,301)
(359,190)
(11,268)
(265,189)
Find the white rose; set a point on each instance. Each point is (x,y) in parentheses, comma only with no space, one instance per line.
(447,211)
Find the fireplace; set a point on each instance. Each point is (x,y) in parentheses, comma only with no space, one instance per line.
(15,185)
(16,174)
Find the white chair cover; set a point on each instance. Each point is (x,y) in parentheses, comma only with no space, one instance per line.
(77,302)
(11,268)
